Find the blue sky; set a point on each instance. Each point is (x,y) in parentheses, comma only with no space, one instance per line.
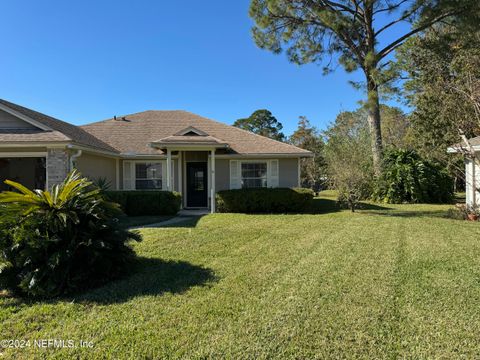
(83,61)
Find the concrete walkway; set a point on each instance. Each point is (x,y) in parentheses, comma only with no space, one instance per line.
(183,216)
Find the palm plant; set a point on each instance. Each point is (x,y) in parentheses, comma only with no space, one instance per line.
(61,241)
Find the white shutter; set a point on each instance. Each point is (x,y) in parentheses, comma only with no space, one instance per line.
(235,176)
(272,172)
(128,175)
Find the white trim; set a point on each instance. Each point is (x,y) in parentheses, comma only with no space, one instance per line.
(23,154)
(25,118)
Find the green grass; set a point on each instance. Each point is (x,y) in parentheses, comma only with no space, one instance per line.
(396,281)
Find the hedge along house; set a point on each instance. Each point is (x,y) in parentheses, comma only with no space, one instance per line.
(151,150)
(471,151)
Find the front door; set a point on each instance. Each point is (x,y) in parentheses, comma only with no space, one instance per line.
(197,193)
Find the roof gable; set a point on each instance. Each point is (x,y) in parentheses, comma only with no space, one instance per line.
(51,129)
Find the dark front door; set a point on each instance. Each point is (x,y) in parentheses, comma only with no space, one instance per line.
(197,193)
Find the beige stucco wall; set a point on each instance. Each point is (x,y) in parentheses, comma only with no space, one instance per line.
(222,174)
(95,166)
(288,173)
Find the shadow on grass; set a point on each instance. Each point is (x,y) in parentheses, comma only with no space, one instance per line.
(323,206)
(411,213)
(151,276)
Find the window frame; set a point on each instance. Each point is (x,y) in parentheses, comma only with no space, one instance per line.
(266,177)
(135,178)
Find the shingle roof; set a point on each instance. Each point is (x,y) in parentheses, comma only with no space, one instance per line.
(31,135)
(62,131)
(136,131)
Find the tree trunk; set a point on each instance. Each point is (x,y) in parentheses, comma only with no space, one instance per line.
(373,107)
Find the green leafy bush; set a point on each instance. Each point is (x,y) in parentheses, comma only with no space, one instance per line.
(139,203)
(58,242)
(407,178)
(264,200)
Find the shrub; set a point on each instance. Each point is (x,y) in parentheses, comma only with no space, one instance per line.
(263,200)
(407,178)
(138,203)
(58,242)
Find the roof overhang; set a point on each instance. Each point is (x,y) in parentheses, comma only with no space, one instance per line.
(264,155)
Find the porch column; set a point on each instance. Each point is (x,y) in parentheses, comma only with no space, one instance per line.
(169,170)
(212,187)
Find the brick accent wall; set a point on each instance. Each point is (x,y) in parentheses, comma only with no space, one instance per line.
(57,166)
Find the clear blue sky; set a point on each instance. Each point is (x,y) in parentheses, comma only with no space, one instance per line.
(83,61)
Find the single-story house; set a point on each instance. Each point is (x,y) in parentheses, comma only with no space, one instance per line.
(167,150)
(471,151)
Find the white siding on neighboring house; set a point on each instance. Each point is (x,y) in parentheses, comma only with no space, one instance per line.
(469,166)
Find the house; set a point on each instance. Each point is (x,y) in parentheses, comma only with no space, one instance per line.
(471,151)
(167,150)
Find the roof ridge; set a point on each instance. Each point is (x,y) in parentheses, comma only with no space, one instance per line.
(125,115)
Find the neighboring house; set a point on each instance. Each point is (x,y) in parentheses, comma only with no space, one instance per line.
(167,150)
(471,150)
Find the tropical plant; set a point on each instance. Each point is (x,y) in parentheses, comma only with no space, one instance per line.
(62,241)
(407,178)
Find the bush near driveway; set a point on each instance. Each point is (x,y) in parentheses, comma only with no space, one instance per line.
(53,243)
(265,200)
(141,203)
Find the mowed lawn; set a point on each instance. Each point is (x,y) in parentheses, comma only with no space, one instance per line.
(396,281)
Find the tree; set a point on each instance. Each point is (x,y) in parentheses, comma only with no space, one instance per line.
(262,122)
(443,71)
(353,31)
(349,166)
(312,170)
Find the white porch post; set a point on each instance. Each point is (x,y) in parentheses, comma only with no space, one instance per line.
(169,169)
(212,187)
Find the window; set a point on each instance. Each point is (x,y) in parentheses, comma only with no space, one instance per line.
(254,174)
(148,176)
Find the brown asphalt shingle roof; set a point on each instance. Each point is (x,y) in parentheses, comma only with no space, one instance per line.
(62,131)
(133,134)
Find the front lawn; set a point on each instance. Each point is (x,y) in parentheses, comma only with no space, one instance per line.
(396,281)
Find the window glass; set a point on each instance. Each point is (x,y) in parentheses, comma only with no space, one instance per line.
(254,175)
(148,176)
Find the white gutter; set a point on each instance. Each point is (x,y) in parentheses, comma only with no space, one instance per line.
(74,157)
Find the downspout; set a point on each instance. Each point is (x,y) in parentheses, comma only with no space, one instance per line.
(73,157)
